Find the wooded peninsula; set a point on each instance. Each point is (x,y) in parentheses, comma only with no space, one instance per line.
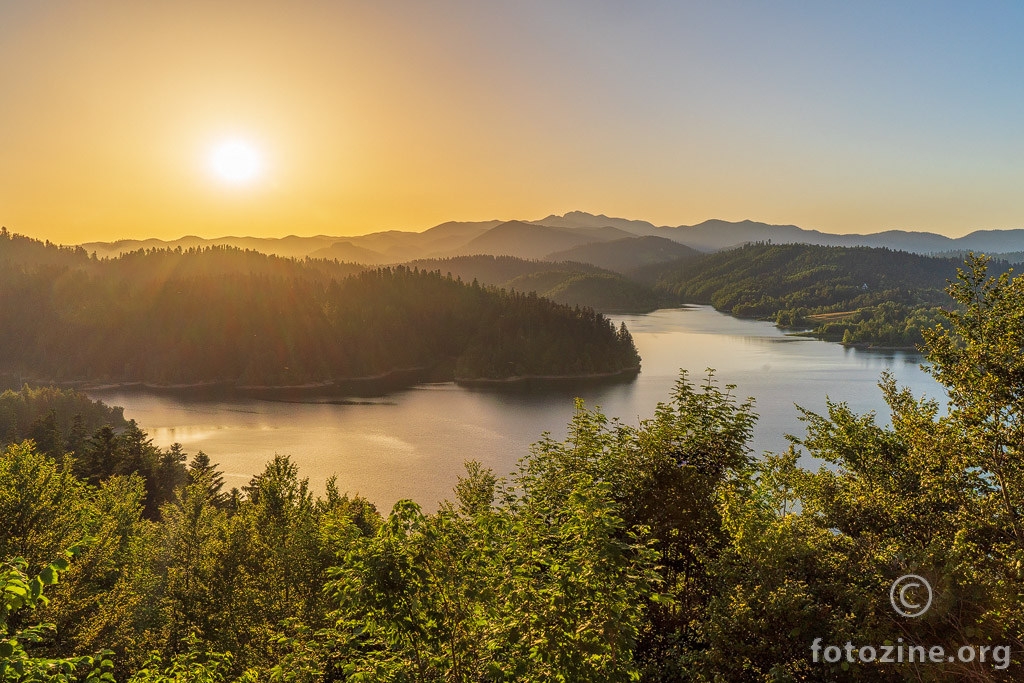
(221,314)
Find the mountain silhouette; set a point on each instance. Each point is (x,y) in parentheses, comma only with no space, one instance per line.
(537,239)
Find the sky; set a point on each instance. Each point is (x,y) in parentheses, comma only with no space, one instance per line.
(126,119)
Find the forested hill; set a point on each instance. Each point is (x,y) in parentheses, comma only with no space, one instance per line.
(24,253)
(762,279)
(18,251)
(58,421)
(858,295)
(570,283)
(242,318)
(628,254)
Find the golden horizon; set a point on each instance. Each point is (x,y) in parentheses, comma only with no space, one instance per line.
(366,118)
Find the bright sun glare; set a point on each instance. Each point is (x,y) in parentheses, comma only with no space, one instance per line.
(236,161)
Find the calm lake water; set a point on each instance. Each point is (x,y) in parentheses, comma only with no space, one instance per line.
(412,444)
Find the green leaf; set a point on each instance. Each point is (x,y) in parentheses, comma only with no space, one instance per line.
(48,576)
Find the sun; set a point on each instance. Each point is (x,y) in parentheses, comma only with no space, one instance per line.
(236,161)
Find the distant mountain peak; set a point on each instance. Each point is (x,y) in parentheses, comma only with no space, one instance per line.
(554,233)
(581,219)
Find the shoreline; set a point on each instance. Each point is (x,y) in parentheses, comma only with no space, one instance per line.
(226,384)
(869,346)
(522,379)
(808,333)
(373,385)
(864,346)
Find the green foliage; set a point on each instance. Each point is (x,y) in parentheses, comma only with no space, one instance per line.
(103,603)
(192,536)
(887,324)
(202,470)
(530,591)
(980,359)
(657,552)
(40,505)
(20,593)
(588,564)
(195,665)
(58,420)
(812,554)
(108,453)
(981,363)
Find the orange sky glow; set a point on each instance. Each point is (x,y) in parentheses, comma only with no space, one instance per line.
(361,117)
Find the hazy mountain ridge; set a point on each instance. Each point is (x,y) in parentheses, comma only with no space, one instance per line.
(582,219)
(715,234)
(291,246)
(540,238)
(530,240)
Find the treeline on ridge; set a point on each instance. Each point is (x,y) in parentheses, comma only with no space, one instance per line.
(762,279)
(57,420)
(224,315)
(570,283)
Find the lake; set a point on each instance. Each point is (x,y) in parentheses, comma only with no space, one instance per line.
(412,444)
